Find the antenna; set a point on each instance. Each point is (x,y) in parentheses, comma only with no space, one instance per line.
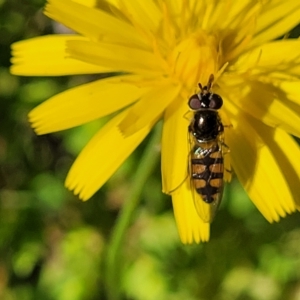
(210,82)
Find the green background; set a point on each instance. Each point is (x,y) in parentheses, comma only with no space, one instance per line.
(53,246)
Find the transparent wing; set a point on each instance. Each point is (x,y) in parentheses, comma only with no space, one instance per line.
(206,177)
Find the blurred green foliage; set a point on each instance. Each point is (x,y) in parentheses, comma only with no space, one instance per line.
(53,247)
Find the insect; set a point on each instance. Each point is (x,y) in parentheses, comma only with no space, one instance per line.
(206,165)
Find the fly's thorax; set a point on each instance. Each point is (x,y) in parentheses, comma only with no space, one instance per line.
(206,125)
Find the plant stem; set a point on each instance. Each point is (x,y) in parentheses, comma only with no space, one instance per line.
(114,249)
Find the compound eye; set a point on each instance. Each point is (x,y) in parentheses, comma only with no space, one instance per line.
(194,102)
(216,101)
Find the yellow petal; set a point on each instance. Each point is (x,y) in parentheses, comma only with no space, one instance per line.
(146,16)
(148,108)
(275,20)
(237,29)
(46,56)
(89,3)
(101,157)
(287,152)
(119,58)
(175,147)
(190,227)
(85,103)
(114,2)
(270,57)
(174,6)
(256,166)
(264,102)
(93,23)
(291,89)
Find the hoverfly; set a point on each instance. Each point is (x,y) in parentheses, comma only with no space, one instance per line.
(206,165)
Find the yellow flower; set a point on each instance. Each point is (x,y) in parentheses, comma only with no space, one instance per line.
(161,51)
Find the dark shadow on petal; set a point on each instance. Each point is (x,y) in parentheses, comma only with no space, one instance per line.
(257,99)
(244,145)
(287,168)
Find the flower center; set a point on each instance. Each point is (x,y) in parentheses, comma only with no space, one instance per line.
(195,59)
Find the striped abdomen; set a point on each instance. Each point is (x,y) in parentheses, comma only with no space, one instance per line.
(207,172)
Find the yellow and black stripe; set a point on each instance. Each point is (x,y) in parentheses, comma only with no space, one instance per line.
(207,173)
